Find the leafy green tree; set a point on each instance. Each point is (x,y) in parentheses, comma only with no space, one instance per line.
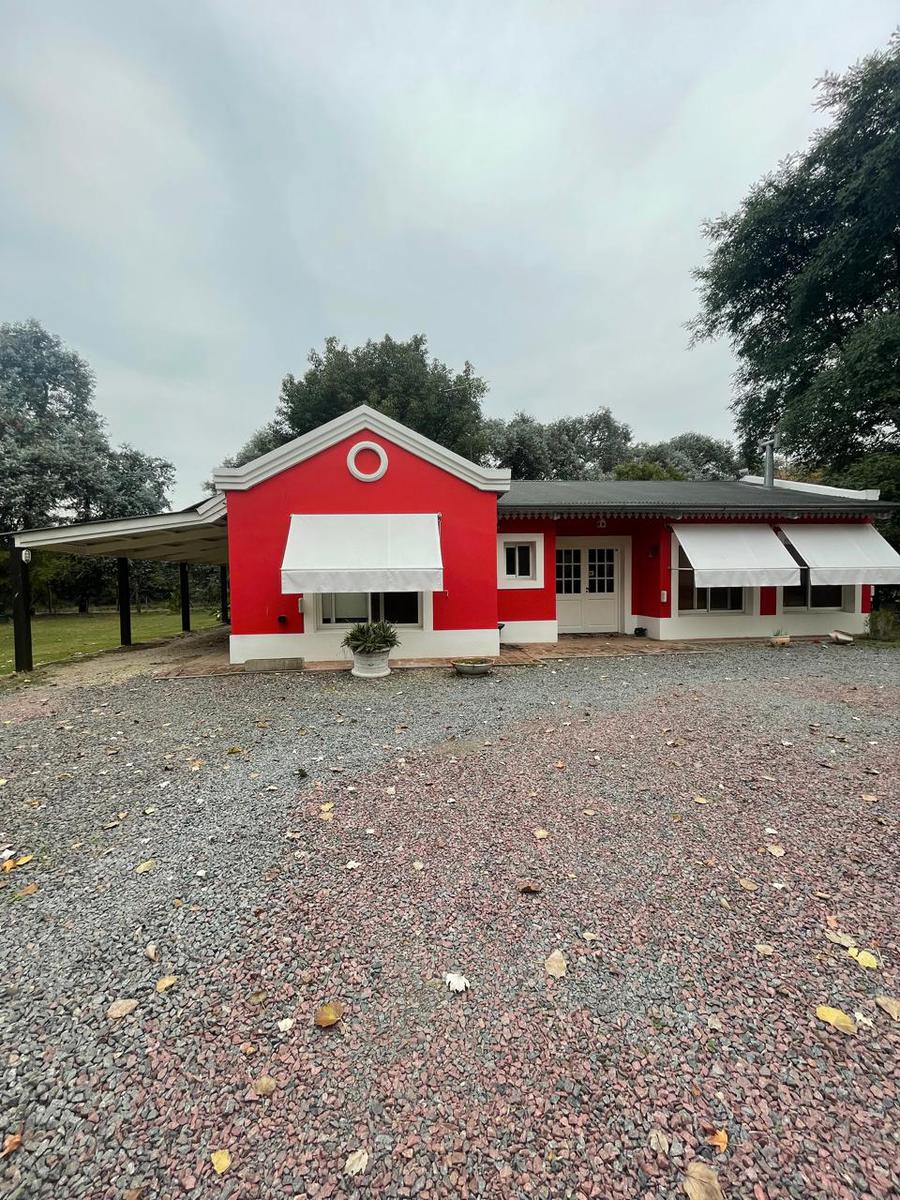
(585,447)
(691,456)
(400,379)
(804,281)
(644,470)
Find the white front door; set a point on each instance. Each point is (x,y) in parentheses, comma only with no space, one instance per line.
(588,586)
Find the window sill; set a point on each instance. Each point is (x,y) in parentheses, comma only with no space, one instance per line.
(506,583)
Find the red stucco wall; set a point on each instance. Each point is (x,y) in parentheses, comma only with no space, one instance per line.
(258,521)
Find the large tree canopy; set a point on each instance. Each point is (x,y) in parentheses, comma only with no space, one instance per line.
(804,280)
(585,447)
(400,379)
(58,464)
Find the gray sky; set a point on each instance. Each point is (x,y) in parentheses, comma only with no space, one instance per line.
(193,194)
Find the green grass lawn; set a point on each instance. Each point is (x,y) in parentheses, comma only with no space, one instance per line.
(59,638)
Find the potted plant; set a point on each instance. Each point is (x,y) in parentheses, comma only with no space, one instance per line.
(371,644)
(780,638)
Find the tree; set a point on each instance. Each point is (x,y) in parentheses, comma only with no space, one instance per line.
(585,447)
(804,281)
(690,456)
(400,379)
(644,470)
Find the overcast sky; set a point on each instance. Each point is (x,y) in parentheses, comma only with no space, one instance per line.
(194,193)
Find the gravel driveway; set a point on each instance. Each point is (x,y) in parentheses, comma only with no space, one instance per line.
(313,838)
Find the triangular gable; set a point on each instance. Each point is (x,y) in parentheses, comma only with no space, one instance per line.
(239,479)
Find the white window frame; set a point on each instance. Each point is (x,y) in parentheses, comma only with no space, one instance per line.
(321,623)
(507,541)
(687,612)
(846,605)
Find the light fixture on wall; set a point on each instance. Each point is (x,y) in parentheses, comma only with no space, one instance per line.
(601,523)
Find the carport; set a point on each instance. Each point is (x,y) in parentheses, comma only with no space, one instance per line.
(195,535)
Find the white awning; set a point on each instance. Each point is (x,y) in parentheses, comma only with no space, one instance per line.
(844,553)
(363,552)
(737,556)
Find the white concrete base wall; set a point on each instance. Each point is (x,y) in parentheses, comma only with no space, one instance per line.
(529,631)
(324,645)
(689,626)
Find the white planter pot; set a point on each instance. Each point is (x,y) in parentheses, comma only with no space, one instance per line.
(371,666)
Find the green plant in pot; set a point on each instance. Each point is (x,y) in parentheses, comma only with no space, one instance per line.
(371,643)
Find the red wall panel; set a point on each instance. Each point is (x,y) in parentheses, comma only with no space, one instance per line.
(258,521)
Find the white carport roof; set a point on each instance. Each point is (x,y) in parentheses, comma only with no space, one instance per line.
(195,535)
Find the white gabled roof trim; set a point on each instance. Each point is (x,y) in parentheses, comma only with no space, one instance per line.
(239,479)
(818,489)
(210,512)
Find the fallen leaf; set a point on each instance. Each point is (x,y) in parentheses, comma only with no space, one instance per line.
(862,1019)
(555,965)
(150,952)
(540,834)
(26,858)
(589,812)
(840,939)
(147,865)
(714,1023)
(220,1159)
(890,1005)
(764,949)
(528,887)
(560,766)
(28,890)
(456,982)
(163,985)
(328,815)
(865,958)
(658,1142)
(831,921)
(235,750)
(329,1014)
(418,866)
(286,1024)
(701,1182)
(256,998)
(748,885)
(869,798)
(12,1141)
(776,851)
(121,1008)
(718,1140)
(698,799)
(836,1018)
(352,865)
(264,1086)
(356,1162)
(247,1048)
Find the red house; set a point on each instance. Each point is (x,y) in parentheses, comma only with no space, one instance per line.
(365,519)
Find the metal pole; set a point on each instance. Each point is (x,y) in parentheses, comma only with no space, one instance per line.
(223,595)
(185,586)
(21,590)
(124,584)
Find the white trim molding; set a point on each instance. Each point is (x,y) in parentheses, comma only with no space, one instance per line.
(367,476)
(519,632)
(509,582)
(325,645)
(817,489)
(357,420)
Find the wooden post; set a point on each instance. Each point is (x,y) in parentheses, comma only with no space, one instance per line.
(185,585)
(124,584)
(223,595)
(21,590)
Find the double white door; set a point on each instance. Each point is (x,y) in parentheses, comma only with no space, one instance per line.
(588,586)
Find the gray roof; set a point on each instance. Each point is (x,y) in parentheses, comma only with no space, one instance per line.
(673,498)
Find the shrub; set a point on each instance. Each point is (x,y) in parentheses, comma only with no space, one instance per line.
(371,638)
(884,625)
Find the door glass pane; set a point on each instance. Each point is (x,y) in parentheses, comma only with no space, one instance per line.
(601,568)
(568,572)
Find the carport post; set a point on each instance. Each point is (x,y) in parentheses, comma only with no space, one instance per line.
(124,584)
(185,586)
(223,595)
(21,593)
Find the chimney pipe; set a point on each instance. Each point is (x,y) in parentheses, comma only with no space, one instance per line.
(768,448)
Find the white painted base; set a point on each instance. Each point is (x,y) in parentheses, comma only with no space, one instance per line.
(517,632)
(324,645)
(695,626)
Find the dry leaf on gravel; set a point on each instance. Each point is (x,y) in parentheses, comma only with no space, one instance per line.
(356,1162)
(352,865)
(264,1086)
(150,952)
(26,858)
(556,965)
(658,1142)
(418,866)
(167,981)
(698,799)
(235,750)
(764,949)
(528,887)
(840,939)
(456,982)
(28,890)
(718,1140)
(890,1005)
(714,1023)
(865,958)
(748,885)
(540,834)
(701,1182)
(247,1048)
(121,1008)
(286,1024)
(221,1161)
(147,865)
(329,1014)
(831,921)
(776,851)
(836,1018)
(12,1141)
(256,998)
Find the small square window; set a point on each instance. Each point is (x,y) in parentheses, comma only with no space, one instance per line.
(519,560)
